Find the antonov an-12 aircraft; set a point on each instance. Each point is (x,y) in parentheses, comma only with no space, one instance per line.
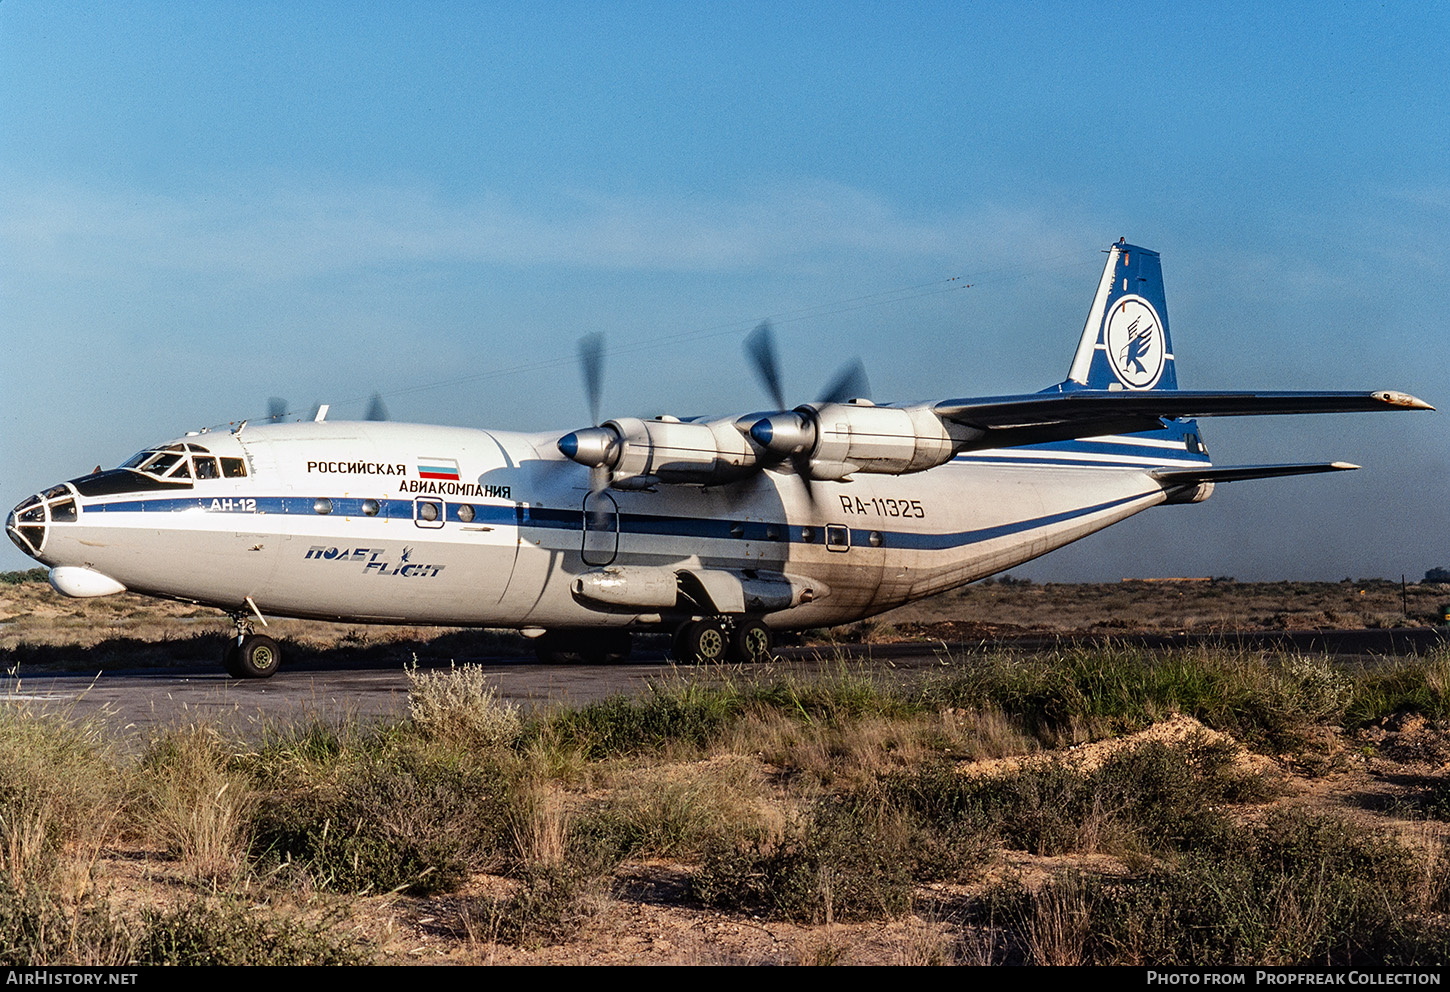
(719,531)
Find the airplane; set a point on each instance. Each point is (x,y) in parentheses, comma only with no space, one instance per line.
(719,531)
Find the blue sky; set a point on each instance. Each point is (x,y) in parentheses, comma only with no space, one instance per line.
(204,205)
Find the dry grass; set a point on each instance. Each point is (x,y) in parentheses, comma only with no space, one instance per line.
(195,804)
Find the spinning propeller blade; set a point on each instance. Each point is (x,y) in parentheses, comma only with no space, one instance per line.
(850,383)
(760,346)
(591,364)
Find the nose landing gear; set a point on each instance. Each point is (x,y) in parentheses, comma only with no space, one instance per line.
(250,655)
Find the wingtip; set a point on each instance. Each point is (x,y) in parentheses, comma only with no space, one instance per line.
(1344,466)
(1392,397)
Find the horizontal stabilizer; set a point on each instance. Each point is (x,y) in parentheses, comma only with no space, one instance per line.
(1054,416)
(1237,473)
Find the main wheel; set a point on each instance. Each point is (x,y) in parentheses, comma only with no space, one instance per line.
(703,641)
(750,643)
(257,657)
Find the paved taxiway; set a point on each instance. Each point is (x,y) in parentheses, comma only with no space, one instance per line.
(141,698)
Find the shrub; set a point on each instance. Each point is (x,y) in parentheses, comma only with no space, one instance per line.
(410,822)
(230,933)
(459,707)
(846,862)
(1297,890)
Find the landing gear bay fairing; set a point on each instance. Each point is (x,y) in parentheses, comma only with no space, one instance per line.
(720,532)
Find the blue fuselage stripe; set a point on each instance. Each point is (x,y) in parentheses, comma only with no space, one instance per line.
(654,525)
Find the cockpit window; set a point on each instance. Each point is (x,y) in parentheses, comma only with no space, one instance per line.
(160,463)
(179,462)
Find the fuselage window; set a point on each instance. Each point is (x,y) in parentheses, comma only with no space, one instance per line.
(370,507)
(808,535)
(322,505)
(234,468)
(838,538)
(465,513)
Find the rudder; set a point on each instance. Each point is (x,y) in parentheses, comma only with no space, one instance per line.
(1125,343)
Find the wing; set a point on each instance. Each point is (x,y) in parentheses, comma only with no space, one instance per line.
(1034,418)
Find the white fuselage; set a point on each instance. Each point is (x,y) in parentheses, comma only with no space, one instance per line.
(397,523)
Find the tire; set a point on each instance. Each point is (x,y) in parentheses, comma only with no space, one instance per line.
(257,657)
(704,641)
(751,643)
(232,660)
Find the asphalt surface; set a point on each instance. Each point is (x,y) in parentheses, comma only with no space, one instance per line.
(137,699)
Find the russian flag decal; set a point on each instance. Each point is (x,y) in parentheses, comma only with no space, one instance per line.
(444,469)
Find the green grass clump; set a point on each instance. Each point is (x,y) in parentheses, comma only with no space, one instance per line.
(685,714)
(547,907)
(36,928)
(845,862)
(691,715)
(1419,685)
(412,823)
(1085,692)
(1296,890)
(230,933)
(29,575)
(1155,797)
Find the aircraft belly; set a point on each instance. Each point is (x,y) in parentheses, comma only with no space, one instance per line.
(206,560)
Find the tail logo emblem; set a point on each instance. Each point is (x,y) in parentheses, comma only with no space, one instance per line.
(1133,340)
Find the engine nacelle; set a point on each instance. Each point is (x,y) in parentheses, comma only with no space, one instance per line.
(639,453)
(838,439)
(1190,494)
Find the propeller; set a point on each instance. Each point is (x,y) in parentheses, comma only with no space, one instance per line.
(850,383)
(591,365)
(791,434)
(276,409)
(376,409)
(596,447)
(760,346)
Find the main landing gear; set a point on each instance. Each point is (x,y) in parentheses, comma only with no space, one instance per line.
(733,638)
(715,639)
(250,655)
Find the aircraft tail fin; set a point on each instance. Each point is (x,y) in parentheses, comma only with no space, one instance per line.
(1125,343)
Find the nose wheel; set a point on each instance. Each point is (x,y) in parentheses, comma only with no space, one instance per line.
(253,656)
(249,655)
